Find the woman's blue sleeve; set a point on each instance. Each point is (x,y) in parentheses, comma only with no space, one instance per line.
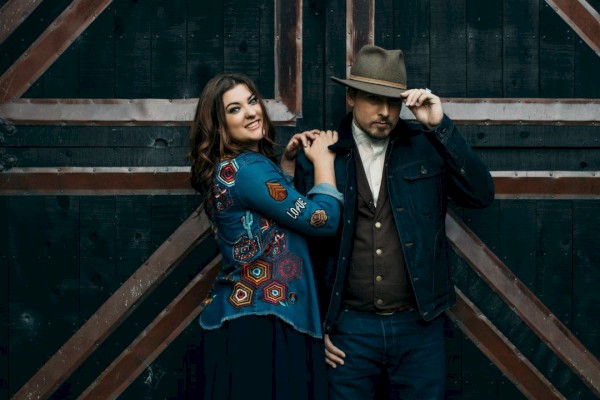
(261,186)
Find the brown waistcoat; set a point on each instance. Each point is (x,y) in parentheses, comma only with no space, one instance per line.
(377,277)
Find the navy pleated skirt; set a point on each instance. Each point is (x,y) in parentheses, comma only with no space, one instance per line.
(262,357)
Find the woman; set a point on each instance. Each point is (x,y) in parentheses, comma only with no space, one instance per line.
(261,327)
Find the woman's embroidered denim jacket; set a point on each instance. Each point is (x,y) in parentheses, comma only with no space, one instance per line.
(260,221)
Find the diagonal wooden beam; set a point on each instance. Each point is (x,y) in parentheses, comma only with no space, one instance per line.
(13,13)
(49,46)
(498,349)
(165,328)
(524,303)
(582,18)
(106,319)
(288,54)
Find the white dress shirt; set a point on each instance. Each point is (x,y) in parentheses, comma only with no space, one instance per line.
(372,154)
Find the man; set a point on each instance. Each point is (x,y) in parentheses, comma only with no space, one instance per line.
(386,277)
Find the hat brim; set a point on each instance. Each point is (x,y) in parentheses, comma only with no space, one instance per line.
(380,90)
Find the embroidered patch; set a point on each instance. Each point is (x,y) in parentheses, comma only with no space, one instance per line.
(274,292)
(296,210)
(318,219)
(227,171)
(276,247)
(257,272)
(276,191)
(265,223)
(289,267)
(241,295)
(221,198)
(244,249)
(293,297)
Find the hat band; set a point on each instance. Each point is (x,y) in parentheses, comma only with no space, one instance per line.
(377,82)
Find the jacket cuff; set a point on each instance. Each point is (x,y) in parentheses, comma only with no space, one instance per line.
(327,189)
(443,130)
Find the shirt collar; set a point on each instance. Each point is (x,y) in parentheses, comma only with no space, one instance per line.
(365,141)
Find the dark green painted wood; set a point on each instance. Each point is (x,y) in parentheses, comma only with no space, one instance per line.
(61,80)
(205,45)
(554,261)
(242,41)
(484,48)
(97,243)
(133,234)
(531,136)
(97,157)
(133,49)
(384,24)
(4,295)
(99,136)
(557,63)
(448,54)
(335,62)
(517,239)
(521,48)
(586,273)
(43,281)
(412,36)
(97,57)
(587,65)
(168,73)
(314,72)
(540,159)
(266,60)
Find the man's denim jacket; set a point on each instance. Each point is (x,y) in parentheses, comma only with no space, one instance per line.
(423,169)
(260,221)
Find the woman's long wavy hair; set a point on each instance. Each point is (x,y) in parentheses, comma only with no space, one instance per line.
(209,139)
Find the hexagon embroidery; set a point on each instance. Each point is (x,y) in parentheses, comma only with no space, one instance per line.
(289,267)
(244,249)
(241,295)
(227,171)
(274,292)
(257,272)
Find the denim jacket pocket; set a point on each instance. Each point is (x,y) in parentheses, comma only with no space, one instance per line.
(425,186)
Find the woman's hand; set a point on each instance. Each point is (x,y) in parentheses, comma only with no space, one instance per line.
(288,159)
(318,150)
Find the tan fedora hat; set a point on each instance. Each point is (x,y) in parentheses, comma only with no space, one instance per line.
(378,71)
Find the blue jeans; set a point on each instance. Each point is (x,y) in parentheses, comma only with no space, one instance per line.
(401,350)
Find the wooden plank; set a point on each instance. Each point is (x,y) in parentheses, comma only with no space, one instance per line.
(269,57)
(12,13)
(118,111)
(96,62)
(556,55)
(335,58)
(241,41)
(133,234)
(413,36)
(554,250)
(541,159)
(525,304)
(4,297)
(115,309)
(155,338)
(587,80)
(98,254)
(175,180)
(582,18)
(491,342)
(521,48)
(384,23)
(586,259)
(132,49)
(315,72)
(533,137)
(205,45)
(448,56)
(288,55)
(484,48)
(48,47)
(168,73)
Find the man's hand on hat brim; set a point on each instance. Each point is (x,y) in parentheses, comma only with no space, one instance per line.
(426,107)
